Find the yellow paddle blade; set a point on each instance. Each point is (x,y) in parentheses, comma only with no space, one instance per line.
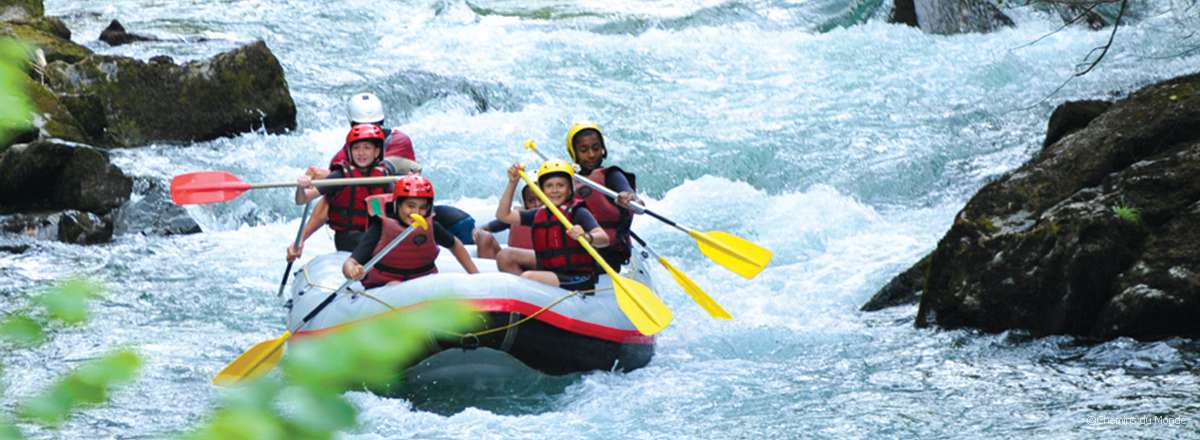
(255,362)
(736,254)
(706,302)
(641,305)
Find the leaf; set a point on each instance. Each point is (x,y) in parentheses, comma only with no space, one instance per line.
(15,106)
(22,331)
(68,301)
(87,385)
(10,432)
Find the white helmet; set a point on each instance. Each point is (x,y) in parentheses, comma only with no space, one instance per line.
(364,108)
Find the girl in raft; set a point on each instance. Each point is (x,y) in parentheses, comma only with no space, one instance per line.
(415,256)
(585,145)
(518,236)
(557,258)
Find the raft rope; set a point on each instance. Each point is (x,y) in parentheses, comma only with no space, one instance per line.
(464,336)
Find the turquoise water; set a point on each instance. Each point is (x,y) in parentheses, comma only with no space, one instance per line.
(845,150)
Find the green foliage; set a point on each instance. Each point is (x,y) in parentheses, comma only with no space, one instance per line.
(22,331)
(9,432)
(1128,214)
(68,302)
(86,386)
(318,370)
(15,107)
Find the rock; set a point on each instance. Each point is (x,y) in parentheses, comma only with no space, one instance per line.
(154,213)
(49,34)
(20,9)
(904,12)
(60,175)
(947,17)
(51,118)
(1071,116)
(902,290)
(126,102)
(69,226)
(115,35)
(1093,236)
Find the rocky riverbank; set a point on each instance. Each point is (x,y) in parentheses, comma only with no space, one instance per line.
(1095,236)
(56,181)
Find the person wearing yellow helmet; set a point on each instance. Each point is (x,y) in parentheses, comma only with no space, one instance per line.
(585,145)
(557,258)
(518,236)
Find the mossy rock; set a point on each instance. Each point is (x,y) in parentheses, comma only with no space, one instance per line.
(60,175)
(133,103)
(21,9)
(53,118)
(46,34)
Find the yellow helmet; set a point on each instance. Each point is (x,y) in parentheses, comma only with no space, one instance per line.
(553,167)
(575,129)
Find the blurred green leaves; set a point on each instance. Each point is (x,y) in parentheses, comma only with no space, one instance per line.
(88,385)
(69,301)
(15,106)
(22,331)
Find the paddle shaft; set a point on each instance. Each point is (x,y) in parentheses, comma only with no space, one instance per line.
(366,268)
(299,233)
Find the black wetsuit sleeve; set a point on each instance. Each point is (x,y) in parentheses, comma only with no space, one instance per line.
(327,190)
(442,237)
(495,226)
(584,219)
(449,215)
(527,216)
(616,181)
(366,244)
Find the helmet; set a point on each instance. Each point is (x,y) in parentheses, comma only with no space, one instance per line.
(367,132)
(552,167)
(413,185)
(364,108)
(575,129)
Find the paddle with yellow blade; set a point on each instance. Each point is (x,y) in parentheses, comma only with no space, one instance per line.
(262,357)
(706,302)
(734,253)
(644,309)
(202,187)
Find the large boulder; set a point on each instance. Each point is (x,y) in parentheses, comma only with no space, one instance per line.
(49,34)
(151,212)
(1095,236)
(51,174)
(20,9)
(126,102)
(947,17)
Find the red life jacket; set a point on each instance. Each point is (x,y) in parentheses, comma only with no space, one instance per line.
(348,206)
(412,258)
(395,144)
(613,219)
(554,250)
(520,236)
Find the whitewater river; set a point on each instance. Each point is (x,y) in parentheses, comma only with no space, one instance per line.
(844,144)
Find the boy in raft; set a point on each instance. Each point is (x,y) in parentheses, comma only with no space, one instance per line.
(518,236)
(416,255)
(585,145)
(347,212)
(398,159)
(557,258)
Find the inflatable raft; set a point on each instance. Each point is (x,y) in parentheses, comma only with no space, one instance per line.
(569,332)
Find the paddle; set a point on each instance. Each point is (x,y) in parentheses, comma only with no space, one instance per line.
(706,302)
(200,187)
(734,253)
(299,233)
(644,309)
(262,357)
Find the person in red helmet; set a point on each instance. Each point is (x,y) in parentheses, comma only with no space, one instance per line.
(347,210)
(415,257)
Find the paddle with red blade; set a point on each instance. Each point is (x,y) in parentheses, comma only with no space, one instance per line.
(200,187)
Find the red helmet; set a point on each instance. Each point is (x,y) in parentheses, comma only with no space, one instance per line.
(365,132)
(413,185)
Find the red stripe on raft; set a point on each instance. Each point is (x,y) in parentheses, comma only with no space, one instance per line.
(505,305)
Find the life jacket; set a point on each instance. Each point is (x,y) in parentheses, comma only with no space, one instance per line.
(520,236)
(412,258)
(395,144)
(614,219)
(348,206)
(554,249)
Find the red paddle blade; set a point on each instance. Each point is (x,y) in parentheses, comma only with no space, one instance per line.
(206,187)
